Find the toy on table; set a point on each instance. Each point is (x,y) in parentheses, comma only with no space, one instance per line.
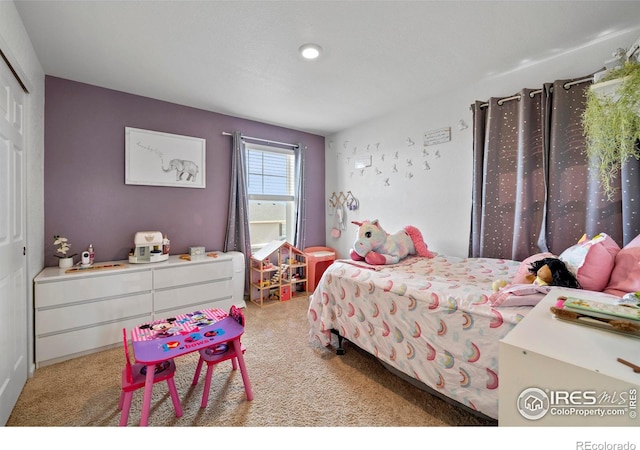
(375,246)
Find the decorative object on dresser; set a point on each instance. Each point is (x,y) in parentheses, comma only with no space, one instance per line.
(66,260)
(196,251)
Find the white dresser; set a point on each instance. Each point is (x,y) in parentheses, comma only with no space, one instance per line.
(84,311)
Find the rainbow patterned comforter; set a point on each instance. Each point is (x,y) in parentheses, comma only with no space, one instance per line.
(428,318)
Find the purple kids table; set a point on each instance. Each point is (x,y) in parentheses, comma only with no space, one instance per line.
(160,340)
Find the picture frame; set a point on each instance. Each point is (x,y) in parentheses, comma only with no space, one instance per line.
(154,158)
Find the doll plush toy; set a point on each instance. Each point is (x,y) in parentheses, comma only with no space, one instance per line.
(552,272)
(543,274)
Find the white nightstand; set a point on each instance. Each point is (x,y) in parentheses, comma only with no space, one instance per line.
(558,373)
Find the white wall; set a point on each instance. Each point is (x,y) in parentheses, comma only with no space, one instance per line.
(438,200)
(16,46)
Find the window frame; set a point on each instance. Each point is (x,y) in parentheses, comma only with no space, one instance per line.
(289,199)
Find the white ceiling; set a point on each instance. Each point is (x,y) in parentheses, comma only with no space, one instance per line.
(240,58)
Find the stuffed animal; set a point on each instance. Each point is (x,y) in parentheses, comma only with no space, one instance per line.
(544,272)
(552,272)
(375,246)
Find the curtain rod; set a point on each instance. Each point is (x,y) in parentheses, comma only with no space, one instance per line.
(532,93)
(225,133)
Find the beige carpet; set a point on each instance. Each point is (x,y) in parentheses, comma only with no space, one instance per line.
(295,384)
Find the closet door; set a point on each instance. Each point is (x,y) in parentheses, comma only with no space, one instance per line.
(13,282)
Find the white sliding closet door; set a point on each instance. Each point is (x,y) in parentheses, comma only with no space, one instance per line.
(13,283)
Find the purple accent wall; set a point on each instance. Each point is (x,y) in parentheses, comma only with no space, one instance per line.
(87,200)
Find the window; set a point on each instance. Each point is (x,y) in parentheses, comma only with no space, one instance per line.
(270,183)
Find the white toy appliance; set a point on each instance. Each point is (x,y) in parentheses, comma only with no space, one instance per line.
(147,248)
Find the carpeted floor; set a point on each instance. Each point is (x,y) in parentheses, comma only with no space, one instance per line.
(295,384)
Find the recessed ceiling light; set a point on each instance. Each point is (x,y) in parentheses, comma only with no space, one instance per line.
(310,51)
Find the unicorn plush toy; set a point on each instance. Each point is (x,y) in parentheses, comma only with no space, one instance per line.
(377,247)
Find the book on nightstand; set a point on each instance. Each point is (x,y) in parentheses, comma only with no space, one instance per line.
(619,318)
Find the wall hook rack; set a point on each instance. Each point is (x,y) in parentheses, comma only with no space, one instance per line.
(340,199)
(337,199)
(351,201)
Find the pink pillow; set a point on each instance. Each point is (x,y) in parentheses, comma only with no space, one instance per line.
(592,261)
(625,276)
(523,271)
(519,295)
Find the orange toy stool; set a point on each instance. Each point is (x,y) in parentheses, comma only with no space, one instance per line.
(318,259)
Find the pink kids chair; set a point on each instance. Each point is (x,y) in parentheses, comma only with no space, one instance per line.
(133,378)
(215,355)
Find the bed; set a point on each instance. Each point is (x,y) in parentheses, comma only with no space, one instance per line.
(428,319)
(437,322)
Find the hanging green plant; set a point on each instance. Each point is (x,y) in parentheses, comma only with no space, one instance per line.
(612,125)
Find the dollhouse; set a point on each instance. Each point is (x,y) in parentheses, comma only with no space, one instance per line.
(278,273)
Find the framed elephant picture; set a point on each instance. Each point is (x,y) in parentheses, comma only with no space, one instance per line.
(154,158)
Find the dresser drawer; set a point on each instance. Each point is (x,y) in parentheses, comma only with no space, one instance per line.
(61,292)
(191,296)
(192,274)
(89,313)
(61,346)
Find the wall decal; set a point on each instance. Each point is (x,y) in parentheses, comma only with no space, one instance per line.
(363,161)
(438,136)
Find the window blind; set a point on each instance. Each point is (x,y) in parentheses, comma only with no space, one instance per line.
(270,173)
